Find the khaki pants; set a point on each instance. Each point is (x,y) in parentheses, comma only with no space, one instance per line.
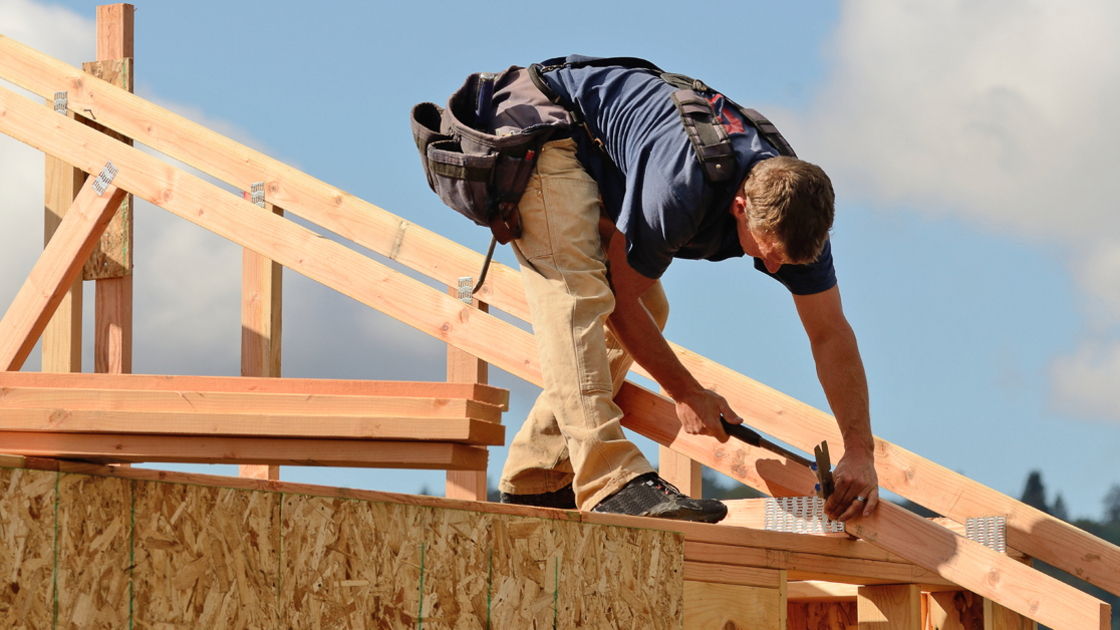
(572,435)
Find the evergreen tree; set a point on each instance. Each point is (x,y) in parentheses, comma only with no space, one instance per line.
(1059,508)
(1112,505)
(1034,494)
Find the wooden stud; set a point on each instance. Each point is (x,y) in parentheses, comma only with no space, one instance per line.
(463,367)
(55,272)
(1030,530)
(953,610)
(62,338)
(261,323)
(723,606)
(681,471)
(890,607)
(113,301)
(822,615)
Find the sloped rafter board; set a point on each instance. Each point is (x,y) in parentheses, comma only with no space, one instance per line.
(141,552)
(1030,530)
(449,320)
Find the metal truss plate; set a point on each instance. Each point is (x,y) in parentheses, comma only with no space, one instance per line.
(990,531)
(466,286)
(257,191)
(104,178)
(801,515)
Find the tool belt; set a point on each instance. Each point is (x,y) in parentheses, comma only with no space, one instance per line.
(479,152)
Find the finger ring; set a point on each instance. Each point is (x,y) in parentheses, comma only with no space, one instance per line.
(861,499)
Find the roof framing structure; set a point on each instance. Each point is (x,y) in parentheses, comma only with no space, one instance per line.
(897,547)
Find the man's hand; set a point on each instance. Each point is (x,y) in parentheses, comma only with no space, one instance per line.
(855,479)
(700,410)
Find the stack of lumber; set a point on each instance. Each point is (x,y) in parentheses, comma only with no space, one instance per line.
(143,418)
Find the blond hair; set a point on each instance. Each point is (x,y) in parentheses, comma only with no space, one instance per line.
(792,200)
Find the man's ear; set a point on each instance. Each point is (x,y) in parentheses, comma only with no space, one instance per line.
(738,205)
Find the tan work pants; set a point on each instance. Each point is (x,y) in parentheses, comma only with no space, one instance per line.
(572,435)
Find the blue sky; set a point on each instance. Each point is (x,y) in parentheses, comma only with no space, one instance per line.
(977,245)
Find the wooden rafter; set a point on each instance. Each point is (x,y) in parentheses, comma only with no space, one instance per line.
(55,272)
(913,477)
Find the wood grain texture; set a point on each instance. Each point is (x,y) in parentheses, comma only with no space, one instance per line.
(217,402)
(62,338)
(822,616)
(54,273)
(893,607)
(463,367)
(112,256)
(308,387)
(113,448)
(731,607)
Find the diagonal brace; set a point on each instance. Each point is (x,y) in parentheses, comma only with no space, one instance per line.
(56,270)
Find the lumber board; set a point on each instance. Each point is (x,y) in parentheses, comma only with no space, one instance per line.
(247,424)
(112,255)
(822,615)
(954,610)
(935,487)
(819,591)
(186,401)
(463,367)
(722,606)
(62,338)
(112,345)
(426,309)
(55,272)
(981,570)
(261,312)
(115,31)
(801,566)
(109,448)
(729,574)
(239,166)
(301,386)
(890,607)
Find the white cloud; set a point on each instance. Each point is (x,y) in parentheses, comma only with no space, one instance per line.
(1000,112)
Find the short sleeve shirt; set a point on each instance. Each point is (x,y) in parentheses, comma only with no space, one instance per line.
(653,186)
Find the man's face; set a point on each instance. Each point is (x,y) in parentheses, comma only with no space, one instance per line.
(761,245)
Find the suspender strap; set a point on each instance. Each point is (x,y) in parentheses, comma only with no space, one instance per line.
(768,131)
(707,134)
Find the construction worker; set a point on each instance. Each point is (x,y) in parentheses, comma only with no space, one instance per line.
(606,211)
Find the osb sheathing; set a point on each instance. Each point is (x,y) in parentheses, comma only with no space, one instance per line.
(27,501)
(162,555)
(94,529)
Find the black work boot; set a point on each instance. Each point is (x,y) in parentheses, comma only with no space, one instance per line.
(563,499)
(650,495)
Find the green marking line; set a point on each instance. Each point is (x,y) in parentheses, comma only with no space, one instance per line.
(556,597)
(420,612)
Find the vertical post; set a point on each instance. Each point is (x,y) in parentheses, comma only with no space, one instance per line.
(680,470)
(954,610)
(261,305)
(463,367)
(62,339)
(111,265)
(889,607)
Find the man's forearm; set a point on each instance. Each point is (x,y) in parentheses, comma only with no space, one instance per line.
(636,329)
(844,381)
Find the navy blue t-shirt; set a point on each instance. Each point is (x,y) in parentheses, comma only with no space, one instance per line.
(655,191)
